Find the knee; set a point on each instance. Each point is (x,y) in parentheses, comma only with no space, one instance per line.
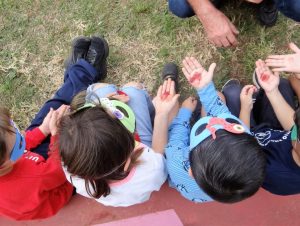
(134,84)
(181,8)
(99,85)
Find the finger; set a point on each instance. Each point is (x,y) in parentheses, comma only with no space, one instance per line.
(172,89)
(278,57)
(159,91)
(175,97)
(186,74)
(187,66)
(232,40)
(191,63)
(233,29)
(280,69)
(272,63)
(217,42)
(212,68)
(196,63)
(294,48)
(164,87)
(169,85)
(111,94)
(245,89)
(225,42)
(251,91)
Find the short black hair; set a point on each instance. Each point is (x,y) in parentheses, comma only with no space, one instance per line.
(230,168)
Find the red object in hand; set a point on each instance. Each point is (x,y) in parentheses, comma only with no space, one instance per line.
(165,95)
(264,77)
(196,76)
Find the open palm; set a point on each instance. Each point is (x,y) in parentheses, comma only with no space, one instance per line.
(268,80)
(197,76)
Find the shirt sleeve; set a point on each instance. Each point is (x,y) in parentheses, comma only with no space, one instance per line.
(34,138)
(211,102)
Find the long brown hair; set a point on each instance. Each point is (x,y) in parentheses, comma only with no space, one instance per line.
(95,146)
(5,127)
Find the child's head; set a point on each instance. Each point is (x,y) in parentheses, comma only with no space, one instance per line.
(95,146)
(230,165)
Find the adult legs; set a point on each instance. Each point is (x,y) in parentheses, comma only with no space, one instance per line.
(290,8)
(79,77)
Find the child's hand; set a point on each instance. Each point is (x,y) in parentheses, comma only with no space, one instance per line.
(44,127)
(197,76)
(287,63)
(55,118)
(267,80)
(166,98)
(119,96)
(246,97)
(190,103)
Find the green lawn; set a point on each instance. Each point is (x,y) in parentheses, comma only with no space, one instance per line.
(35,39)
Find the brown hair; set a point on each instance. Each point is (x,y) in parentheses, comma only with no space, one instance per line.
(95,146)
(5,127)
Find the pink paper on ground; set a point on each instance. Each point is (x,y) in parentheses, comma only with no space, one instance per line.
(162,218)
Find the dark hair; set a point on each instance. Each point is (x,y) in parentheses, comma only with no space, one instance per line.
(297,122)
(95,146)
(230,168)
(5,127)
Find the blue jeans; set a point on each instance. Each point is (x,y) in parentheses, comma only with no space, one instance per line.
(290,8)
(262,113)
(77,78)
(139,102)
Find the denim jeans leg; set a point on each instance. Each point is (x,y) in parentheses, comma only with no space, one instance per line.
(181,8)
(290,8)
(142,107)
(80,76)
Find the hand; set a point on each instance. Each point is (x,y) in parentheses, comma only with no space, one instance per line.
(267,80)
(44,127)
(197,76)
(246,97)
(219,29)
(190,103)
(287,63)
(166,98)
(55,118)
(121,97)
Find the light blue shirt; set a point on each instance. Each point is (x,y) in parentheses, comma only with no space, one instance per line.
(177,150)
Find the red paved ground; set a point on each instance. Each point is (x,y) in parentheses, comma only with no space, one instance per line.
(263,209)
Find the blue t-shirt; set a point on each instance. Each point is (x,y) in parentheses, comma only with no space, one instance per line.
(282,173)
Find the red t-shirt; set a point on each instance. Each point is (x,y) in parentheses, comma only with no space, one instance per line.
(35,188)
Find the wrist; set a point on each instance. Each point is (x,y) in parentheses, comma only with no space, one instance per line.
(273,92)
(205,8)
(44,130)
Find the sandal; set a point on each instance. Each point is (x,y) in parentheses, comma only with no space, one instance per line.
(170,70)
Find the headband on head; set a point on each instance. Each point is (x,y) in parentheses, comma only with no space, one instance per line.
(213,124)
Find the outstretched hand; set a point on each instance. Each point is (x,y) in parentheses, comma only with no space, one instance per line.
(268,81)
(56,117)
(166,98)
(246,97)
(197,76)
(287,63)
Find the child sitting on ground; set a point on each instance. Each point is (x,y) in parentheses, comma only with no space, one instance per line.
(33,186)
(218,159)
(100,155)
(281,146)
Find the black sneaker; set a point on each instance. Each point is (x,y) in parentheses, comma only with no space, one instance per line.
(80,47)
(97,55)
(267,13)
(170,70)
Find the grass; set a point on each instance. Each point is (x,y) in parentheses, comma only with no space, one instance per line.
(35,39)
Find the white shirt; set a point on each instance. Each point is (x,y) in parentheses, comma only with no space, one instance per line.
(146,177)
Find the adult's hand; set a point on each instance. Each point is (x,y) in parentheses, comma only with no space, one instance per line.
(219,29)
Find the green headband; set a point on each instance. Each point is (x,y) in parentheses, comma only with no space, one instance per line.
(119,109)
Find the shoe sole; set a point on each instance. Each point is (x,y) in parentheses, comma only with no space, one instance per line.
(106,53)
(74,43)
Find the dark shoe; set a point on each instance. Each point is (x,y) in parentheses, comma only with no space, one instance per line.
(267,13)
(80,47)
(97,55)
(170,70)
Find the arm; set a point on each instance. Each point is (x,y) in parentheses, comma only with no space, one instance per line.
(33,138)
(269,82)
(220,31)
(211,102)
(246,103)
(165,102)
